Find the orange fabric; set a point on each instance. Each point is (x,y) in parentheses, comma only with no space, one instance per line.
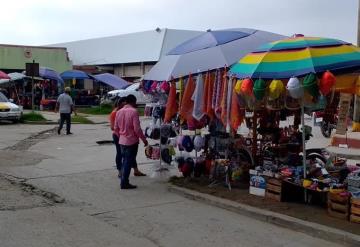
(223,104)
(112,118)
(236,113)
(208,93)
(171,105)
(187,104)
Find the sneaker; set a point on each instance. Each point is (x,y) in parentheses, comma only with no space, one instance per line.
(128,186)
(69,133)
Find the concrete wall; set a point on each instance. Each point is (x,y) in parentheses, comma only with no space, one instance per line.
(14,57)
(131,70)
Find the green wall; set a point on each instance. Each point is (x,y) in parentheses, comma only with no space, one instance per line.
(15,57)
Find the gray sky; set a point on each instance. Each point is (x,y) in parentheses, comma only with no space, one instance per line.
(37,22)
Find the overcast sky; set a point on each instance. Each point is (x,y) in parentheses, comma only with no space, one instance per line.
(38,22)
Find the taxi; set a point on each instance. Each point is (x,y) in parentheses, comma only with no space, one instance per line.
(8,110)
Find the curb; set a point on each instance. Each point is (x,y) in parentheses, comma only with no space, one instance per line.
(309,228)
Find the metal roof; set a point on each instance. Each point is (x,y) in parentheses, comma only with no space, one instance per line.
(147,46)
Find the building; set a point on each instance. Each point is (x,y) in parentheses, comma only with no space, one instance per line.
(128,55)
(14,57)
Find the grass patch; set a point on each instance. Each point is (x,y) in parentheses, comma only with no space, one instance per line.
(80,119)
(32,117)
(96,110)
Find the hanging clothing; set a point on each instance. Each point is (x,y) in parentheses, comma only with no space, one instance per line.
(171,105)
(219,95)
(198,98)
(228,103)
(237,113)
(224,99)
(208,96)
(187,104)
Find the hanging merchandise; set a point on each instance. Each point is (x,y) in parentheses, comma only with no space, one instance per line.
(295,89)
(259,89)
(208,93)
(187,104)
(224,100)
(237,87)
(166,156)
(199,143)
(179,142)
(153,88)
(187,167)
(247,87)
(327,81)
(218,94)
(187,144)
(171,105)
(237,113)
(276,88)
(310,85)
(228,104)
(198,98)
(165,87)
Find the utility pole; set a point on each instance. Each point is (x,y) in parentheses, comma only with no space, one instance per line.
(356,116)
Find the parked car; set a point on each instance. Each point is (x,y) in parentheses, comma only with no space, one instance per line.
(8,110)
(133,89)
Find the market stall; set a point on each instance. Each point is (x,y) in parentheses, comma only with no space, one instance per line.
(270,90)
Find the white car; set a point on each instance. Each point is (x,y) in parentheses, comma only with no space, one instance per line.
(8,110)
(133,89)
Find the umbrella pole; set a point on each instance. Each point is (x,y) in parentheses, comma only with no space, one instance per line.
(303,144)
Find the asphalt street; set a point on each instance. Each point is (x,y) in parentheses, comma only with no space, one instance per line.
(97,213)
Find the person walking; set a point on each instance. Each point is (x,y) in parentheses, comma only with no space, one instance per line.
(65,106)
(127,126)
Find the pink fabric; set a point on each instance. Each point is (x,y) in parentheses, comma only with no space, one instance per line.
(127,126)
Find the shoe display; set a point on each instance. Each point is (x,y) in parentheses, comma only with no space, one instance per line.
(128,186)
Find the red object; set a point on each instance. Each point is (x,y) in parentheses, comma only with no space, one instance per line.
(208,93)
(3,75)
(236,113)
(187,104)
(327,82)
(171,105)
(247,87)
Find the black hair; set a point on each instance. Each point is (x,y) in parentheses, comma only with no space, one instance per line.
(131,99)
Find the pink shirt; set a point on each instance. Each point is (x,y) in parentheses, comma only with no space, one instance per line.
(127,126)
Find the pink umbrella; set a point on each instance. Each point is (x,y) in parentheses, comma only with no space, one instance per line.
(3,75)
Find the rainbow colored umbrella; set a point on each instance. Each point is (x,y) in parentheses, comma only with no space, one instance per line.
(297,56)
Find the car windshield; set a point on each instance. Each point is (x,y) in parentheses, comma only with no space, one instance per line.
(133,86)
(3,98)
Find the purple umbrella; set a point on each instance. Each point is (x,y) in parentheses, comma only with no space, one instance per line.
(48,73)
(111,80)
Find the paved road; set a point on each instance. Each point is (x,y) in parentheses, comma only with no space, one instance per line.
(97,213)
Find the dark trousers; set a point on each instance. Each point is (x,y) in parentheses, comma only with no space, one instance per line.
(118,157)
(129,159)
(65,117)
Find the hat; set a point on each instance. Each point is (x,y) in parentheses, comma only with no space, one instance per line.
(187,144)
(165,130)
(295,88)
(188,167)
(166,156)
(310,84)
(147,86)
(199,143)
(164,140)
(155,133)
(172,142)
(180,161)
(155,155)
(247,87)
(327,82)
(199,168)
(276,88)
(164,87)
(259,89)
(179,141)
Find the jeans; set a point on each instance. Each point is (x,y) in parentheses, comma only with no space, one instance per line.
(118,157)
(65,117)
(129,159)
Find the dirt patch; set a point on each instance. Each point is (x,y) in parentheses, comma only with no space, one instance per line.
(309,213)
(20,158)
(33,139)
